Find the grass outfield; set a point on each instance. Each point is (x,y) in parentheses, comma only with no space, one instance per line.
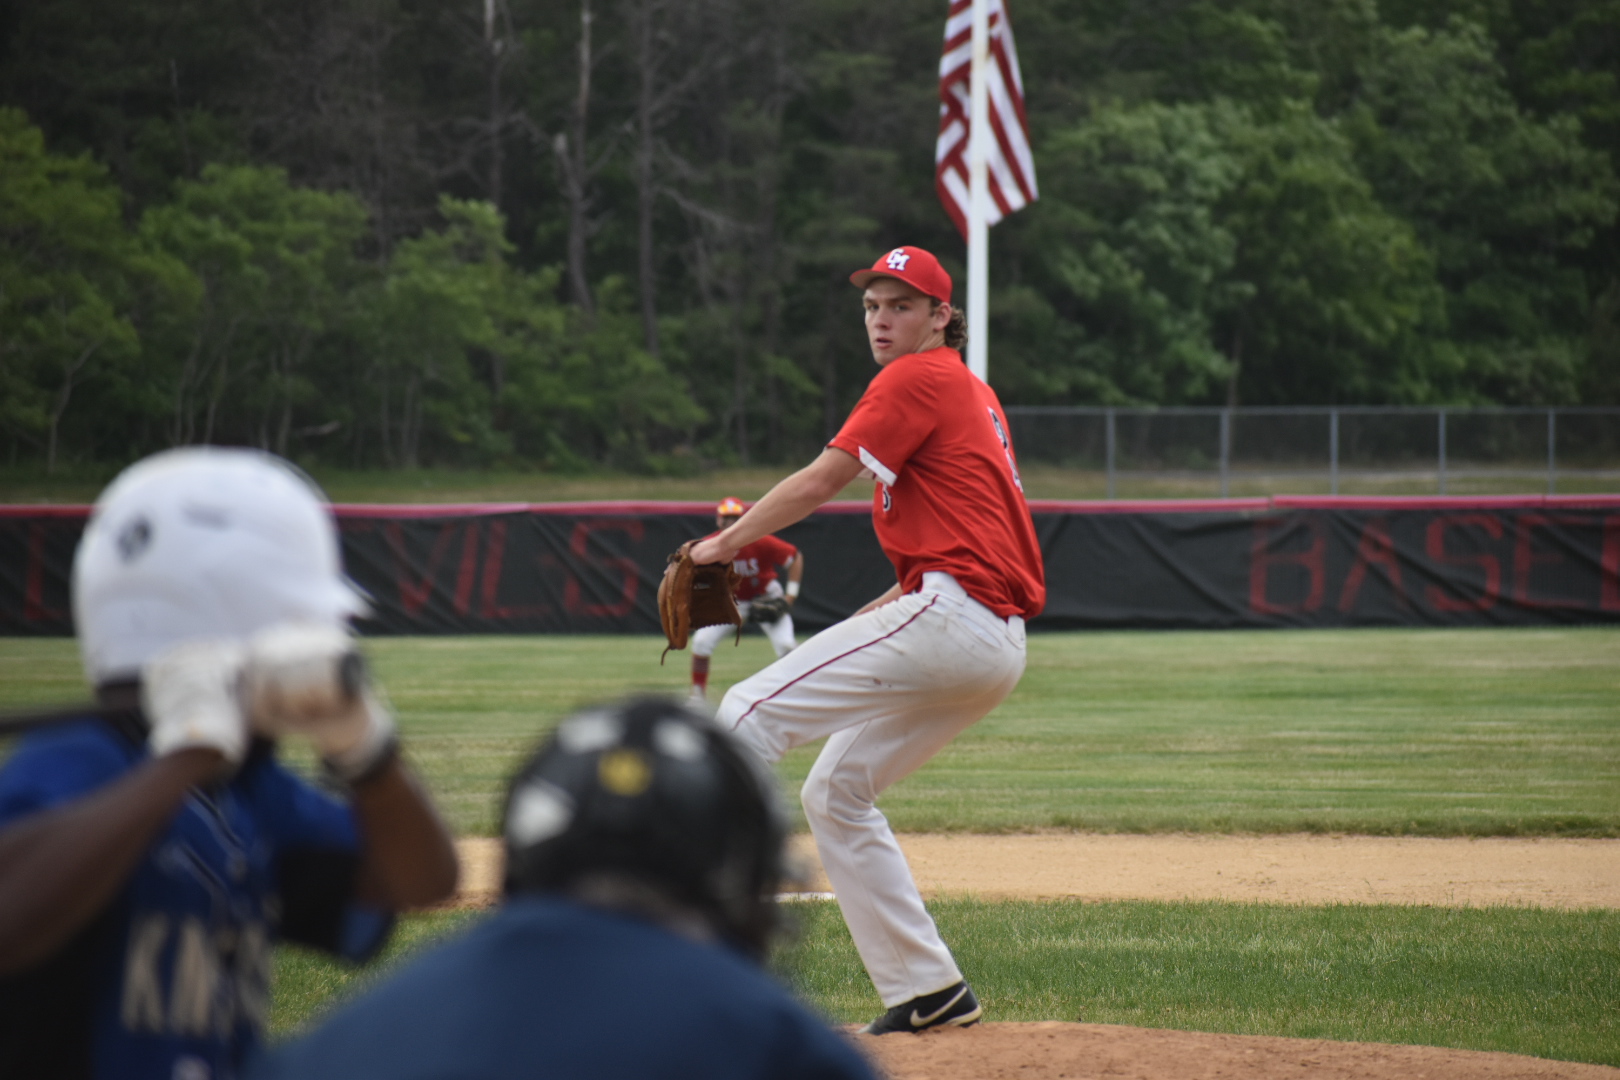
(1515,980)
(81,484)
(1487,732)
(1417,732)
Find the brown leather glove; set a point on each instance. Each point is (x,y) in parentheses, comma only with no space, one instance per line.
(693,595)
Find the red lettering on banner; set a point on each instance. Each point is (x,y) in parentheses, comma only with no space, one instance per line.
(468,569)
(1435,545)
(34,609)
(494,560)
(1525,558)
(413,595)
(1609,565)
(1375,548)
(1262,559)
(630,579)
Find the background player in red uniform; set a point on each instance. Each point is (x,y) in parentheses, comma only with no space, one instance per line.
(893,684)
(758,594)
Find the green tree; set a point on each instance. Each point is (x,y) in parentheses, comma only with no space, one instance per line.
(1344,307)
(582,392)
(1199,254)
(1139,263)
(434,307)
(276,264)
(1506,201)
(72,282)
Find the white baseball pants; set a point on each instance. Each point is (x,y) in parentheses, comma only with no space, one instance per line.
(888,689)
(780,632)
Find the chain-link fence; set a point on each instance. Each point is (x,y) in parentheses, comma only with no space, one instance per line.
(1342,450)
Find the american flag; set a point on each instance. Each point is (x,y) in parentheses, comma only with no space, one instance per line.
(1010,167)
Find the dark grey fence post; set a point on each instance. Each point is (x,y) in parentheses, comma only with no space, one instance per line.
(1552,451)
(1442,451)
(1109,439)
(1333,451)
(1226,448)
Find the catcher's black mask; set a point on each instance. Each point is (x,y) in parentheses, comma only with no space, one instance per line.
(648,790)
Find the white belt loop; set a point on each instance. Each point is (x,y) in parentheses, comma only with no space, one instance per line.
(938,581)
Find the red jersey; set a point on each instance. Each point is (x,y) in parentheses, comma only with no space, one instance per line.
(948,495)
(757,563)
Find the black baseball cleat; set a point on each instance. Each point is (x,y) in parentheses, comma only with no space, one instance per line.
(954,1006)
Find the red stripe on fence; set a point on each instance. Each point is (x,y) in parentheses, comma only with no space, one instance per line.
(1038,506)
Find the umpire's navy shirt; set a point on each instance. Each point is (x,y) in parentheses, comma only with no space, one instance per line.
(549,988)
(171,981)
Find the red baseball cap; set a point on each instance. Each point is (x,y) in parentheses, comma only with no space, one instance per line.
(912,265)
(730,507)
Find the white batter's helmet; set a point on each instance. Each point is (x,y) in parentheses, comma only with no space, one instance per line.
(203,542)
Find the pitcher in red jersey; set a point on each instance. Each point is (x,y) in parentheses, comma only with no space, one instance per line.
(893,684)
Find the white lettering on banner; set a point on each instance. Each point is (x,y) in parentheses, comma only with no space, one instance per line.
(142,1006)
(897,259)
(1006,448)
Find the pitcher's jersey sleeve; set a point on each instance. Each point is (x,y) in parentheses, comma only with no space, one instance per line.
(890,422)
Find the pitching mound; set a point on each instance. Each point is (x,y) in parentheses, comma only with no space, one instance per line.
(1047,1051)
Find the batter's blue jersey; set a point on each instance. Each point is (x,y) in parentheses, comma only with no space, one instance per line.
(172,980)
(549,988)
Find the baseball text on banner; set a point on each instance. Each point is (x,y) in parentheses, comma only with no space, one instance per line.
(1010,167)
(1221,565)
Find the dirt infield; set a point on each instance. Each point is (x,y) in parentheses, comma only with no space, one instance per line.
(1048,1051)
(1273,869)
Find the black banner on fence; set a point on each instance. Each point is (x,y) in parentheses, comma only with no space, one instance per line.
(594,568)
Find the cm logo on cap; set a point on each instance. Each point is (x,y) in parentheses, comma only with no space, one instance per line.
(897,259)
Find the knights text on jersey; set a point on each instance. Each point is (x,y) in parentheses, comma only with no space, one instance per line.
(173,978)
(948,495)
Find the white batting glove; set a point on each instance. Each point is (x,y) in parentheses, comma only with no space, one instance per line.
(191,695)
(310,680)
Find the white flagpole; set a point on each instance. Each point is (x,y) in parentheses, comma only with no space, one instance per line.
(978,247)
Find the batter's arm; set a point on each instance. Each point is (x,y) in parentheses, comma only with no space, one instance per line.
(409,857)
(789,501)
(60,867)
